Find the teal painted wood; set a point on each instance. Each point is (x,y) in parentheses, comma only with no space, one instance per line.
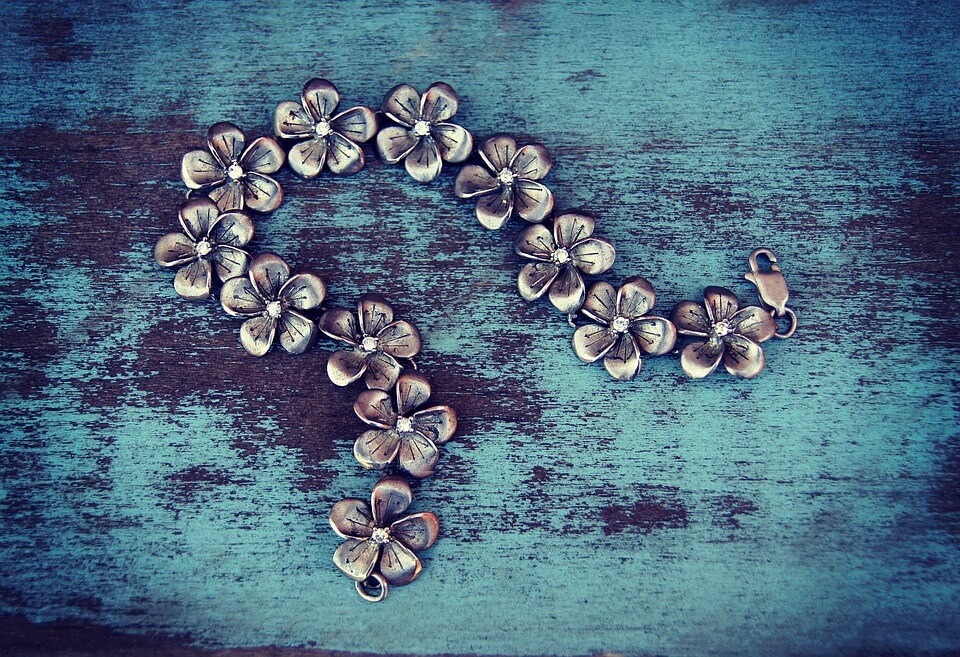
(160,489)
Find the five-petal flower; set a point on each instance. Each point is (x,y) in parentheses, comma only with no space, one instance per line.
(210,243)
(380,540)
(424,138)
(269,297)
(507,183)
(623,329)
(233,176)
(727,332)
(559,258)
(326,138)
(376,341)
(407,433)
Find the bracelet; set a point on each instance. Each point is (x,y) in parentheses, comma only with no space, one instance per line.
(230,179)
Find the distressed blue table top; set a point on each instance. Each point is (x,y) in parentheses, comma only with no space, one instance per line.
(162,491)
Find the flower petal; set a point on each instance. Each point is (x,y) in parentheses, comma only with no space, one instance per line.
(424,163)
(474,180)
(229,262)
(635,298)
(439,103)
(591,342)
(320,98)
(264,155)
(346,366)
(699,359)
(375,408)
(567,292)
(743,357)
(402,104)
(533,200)
(199,169)
(754,323)
(226,142)
(454,142)
(571,227)
(413,391)
(438,423)
(394,143)
(498,152)
(374,313)
(352,518)
(493,210)
(268,272)
(239,297)
(382,371)
(535,278)
(358,124)
(340,324)
(533,162)
(391,496)
(231,229)
(257,334)
(535,243)
(356,558)
(377,448)
(304,291)
(343,156)
(690,318)
(622,362)
(292,121)
(296,332)
(398,564)
(418,455)
(174,249)
(720,302)
(228,196)
(601,302)
(307,157)
(194,280)
(654,335)
(593,256)
(261,193)
(418,531)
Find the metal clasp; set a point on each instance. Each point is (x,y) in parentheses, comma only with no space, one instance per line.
(772,288)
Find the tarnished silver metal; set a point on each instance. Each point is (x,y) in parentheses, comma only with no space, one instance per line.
(324,137)
(726,333)
(208,246)
(423,138)
(405,434)
(234,176)
(560,258)
(270,298)
(375,341)
(507,182)
(772,288)
(624,328)
(381,546)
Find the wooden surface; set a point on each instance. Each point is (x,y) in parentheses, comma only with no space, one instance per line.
(164,493)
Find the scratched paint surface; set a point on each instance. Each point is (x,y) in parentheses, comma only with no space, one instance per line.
(163,491)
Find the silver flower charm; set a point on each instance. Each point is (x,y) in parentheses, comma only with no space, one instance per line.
(726,333)
(233,176)
(269,297)
(423,139)
(209,244)
(507,183)
(403,433)
(381,544)
(623,328)
(560,258)
(325,138)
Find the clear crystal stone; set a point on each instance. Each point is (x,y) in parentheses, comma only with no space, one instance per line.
(561,256)
(721,328)
(369,343)
(506,177)
(322,128)
(421,128)
(274,309)
(235,171)
(380,535)
(404,425)
(620,324)
(203,247)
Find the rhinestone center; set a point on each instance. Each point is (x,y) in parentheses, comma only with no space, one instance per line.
(421,128)
(561,256)
(369,343)
(506,177)
(404,425)
(322,128)
(721,328)
(274,309)
(235,171)
(380,535)
(620,324)
(204,247)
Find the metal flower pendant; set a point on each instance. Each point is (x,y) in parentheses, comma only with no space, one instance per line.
(209,244)
(270,298)
(623,328)
(424,138)
(381,546)
(507,184)
(325,138)
(234,176)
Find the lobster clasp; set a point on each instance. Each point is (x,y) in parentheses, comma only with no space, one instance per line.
(770,283)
